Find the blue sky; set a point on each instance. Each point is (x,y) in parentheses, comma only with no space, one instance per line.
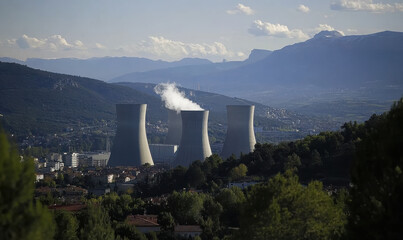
(174,29)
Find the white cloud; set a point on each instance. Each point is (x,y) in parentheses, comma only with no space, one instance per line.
(352,30)
(366,6)
(240,8)
(240,54)
(79,44)
(260,28)
(52,43)
(399,7)
(99,46)
(154,47)
(158,46)
(325,27)
(303,8)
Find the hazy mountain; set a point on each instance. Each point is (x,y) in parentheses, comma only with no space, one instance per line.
(189,72)
(257,55)
(104,68)
(11,60)
(39,102)
(43,102)
(329,69)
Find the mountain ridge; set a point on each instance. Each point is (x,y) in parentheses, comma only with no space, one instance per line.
(103,68)
(40,102)
(363,68)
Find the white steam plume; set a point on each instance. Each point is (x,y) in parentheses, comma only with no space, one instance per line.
(175,99)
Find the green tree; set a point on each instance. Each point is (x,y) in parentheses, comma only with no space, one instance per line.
(166,221)
(194,175)
(185,207)
(95,224)
(119,207)
(66,226)
(20,216)
(376,210)
(238,172)
(316,159)
(127,231)
(284,209)
(293,162)
(152,236)
(211,165)
(210,217)
(231,200)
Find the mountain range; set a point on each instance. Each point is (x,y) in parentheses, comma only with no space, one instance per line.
(104,68)
(38,102)
(334,76)
(344,77)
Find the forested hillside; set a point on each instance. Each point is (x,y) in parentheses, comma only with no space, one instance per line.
(39,102)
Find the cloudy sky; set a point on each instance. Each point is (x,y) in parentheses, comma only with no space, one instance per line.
(174,29)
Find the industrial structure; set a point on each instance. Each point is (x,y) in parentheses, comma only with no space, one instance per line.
(194,144)
(163,153)
(174,128)
(130,146)
(240,134)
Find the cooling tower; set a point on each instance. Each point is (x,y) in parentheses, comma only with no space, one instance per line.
(174,128)
(194,144)
(130,147)
(240,134)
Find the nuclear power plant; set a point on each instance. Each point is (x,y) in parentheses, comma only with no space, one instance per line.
(174,128)
(130,146)
(194,144)
(240,133)
(188,129)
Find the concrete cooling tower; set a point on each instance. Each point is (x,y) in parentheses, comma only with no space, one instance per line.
(194,143)
(174,128)
(130,147)
(240,133)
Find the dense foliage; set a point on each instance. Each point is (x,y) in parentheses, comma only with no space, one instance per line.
(284,209)
(20,216)
(36,102)
(377,177)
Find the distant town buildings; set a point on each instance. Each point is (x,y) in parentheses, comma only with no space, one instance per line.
(71,160)
(94,159)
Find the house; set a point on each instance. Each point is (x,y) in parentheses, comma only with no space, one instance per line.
(188,230)
(99,191)
(144,223)
(69,208)
(39,176)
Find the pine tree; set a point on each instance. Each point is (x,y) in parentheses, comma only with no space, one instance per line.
(67,226)
(284,209)
(376,210)
(20,216)
(95,224)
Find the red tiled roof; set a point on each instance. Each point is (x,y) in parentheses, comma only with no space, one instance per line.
(143,220)
(70,208)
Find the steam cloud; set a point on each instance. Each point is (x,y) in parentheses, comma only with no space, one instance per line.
(175,99)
